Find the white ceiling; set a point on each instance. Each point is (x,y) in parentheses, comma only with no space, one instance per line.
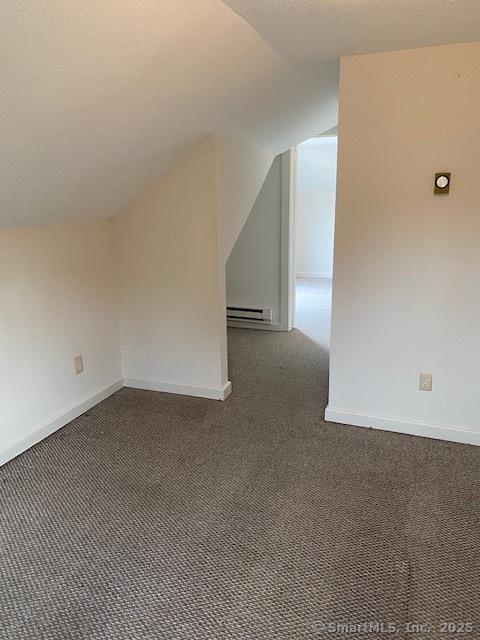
(309,33)
(99,97)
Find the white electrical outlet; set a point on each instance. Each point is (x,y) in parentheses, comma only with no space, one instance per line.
(425,382)
(78,364)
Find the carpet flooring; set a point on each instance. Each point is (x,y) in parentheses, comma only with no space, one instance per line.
(155,516)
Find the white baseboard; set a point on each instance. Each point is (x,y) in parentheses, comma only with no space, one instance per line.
(411,427)
(314,274)
(243,324)
(213,393)
(41,431)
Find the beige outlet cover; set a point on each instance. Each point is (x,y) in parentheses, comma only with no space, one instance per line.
(78,364)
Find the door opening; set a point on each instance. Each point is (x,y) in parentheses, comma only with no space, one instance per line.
(316,162)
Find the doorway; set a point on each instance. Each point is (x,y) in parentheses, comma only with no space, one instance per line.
(314,221)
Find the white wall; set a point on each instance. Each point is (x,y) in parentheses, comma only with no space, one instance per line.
(159,266)
(406,293)
(315,206)
(241,168)
(167,261)
(254,265)
(171,245)
(56,301)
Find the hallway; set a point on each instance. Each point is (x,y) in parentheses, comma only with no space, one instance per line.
(162,516)
(313,301)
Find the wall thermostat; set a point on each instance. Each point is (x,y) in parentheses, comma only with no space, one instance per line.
(442,183)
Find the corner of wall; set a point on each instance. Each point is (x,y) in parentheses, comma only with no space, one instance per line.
(240,170)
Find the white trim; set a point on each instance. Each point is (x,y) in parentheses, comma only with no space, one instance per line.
(214,393)
(46,428)
(314,274)
(287,271)
(41,431)
(411,427)
(251,324)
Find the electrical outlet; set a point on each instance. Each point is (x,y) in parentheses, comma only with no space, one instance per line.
(425,382)
(78,364)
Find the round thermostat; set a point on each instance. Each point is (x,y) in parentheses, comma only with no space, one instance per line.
(441,186)
(442,182)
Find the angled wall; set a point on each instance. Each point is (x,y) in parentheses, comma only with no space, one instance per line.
(241,168)
(167,264)
(405,296)
(141,297)
(170,247)
(254,265)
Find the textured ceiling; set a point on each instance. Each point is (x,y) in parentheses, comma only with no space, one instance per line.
(99,97)
(309,33)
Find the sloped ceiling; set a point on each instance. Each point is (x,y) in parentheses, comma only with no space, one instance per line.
(99,97)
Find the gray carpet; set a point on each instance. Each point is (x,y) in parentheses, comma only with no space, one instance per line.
(160,516)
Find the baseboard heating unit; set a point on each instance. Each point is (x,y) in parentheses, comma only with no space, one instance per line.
(245,314)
